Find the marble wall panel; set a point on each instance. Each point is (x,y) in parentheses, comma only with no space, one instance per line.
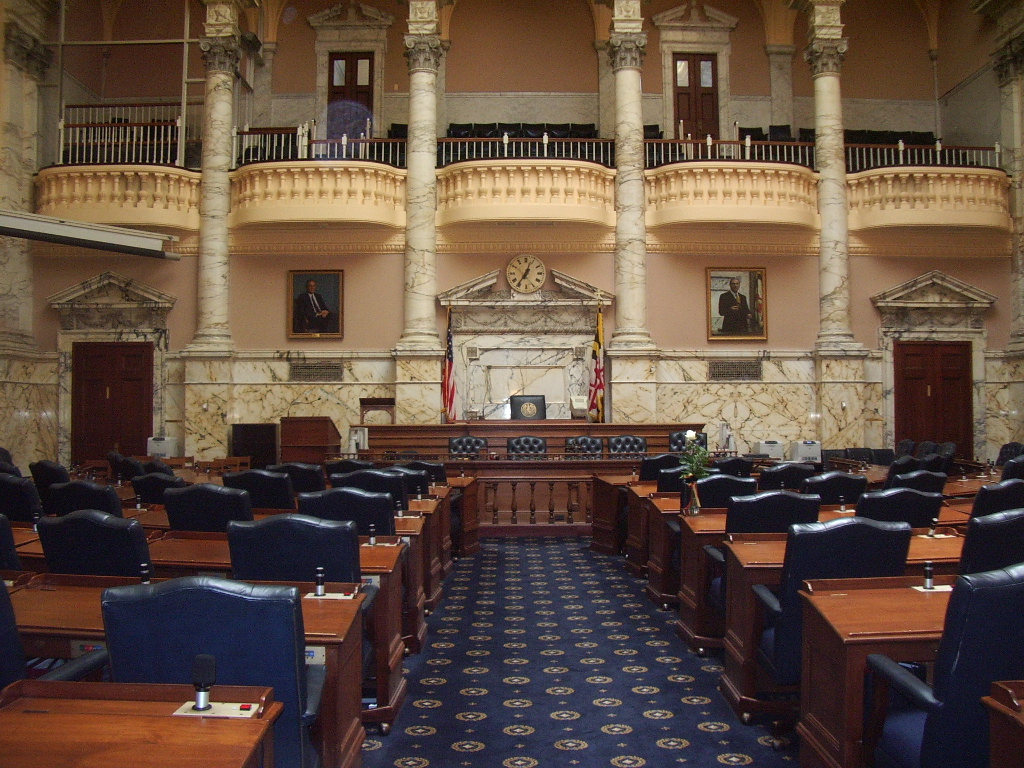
(28,409)
(417,403)
(634,403)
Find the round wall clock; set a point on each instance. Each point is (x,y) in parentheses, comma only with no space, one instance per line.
(526,273)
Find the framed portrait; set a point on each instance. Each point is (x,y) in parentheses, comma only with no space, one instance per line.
(315,304)
(737,304)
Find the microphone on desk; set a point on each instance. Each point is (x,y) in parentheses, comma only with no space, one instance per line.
(931,531)
(144,573)
(320,591)
(204,675)
(373,535)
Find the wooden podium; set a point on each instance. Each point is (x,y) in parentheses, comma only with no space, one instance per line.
(309,439)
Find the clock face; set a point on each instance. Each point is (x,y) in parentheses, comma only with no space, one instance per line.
(526,273)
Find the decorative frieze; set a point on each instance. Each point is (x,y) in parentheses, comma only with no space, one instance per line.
(26,52)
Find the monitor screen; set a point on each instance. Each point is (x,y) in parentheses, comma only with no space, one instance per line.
(527,407)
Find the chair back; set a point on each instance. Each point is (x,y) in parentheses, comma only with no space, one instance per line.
(844,548)
(6,456)
(290,547)
(836,487)
(859,454)
(920,480)
(714,491)
(627,446)
(343,466)
(788,476)
(925,447)
(901,465)
(93,543)
(466,446)
(651,466)
(770,511)
(673,479)
(377,481)
(19,499)
(416,480)
(12,652)
(254,631)
(947,451)
(206,507)
(82,494)
(305,477)
(737,466)
(46,473)
(677,441)
(584,446)
(149,488)
(1013,469)
(993,541)
(267,490)
(364,508)
(918,509)
(883,457)
(1009,451)
(525,446)
(435,470)
(9,469)
(158,466)
(9,560)
(932,462)
(905,448)
(998,497)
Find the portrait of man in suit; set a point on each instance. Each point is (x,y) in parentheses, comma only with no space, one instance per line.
(736,303)
(734,309)
(316,303)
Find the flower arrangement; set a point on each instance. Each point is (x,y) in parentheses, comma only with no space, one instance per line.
(694,457)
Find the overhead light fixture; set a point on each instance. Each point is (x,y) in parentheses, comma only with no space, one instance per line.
(32,226)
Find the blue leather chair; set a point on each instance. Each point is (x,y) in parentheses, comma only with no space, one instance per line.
(920,480)
(267,490)
(416,480)
(998,497)
(19,499)
(9,469)
(6,456)
(677,441)
(466,446)
(526,447)
(788,476)
(714,491)
(9,560)
(836,487)
(584,447)
(1009,451)
(919,509)
(932,462)
(627,446)
(993,541)
(883,457)
(905,448)
(124,468)
(364,508)
(377,481)
(149,488)
(290,547)
(901,465)
(838,549)
(342,466)
(435,470)
(946,725)
(82,494)
(651,466)
(206,507)
(306,478)
(737,466)
(158,466)
(255,633)
(94,544)
(673,480)
(859,454)
(1013,468)
(46,473)
(925,447)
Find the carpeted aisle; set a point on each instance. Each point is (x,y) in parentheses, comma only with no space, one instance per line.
(544,653)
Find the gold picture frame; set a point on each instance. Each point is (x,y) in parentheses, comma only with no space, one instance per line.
(740,314)
(320,314)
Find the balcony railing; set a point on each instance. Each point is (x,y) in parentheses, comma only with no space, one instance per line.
(130,133)
(600,151)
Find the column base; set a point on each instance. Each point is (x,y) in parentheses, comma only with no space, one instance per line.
(1015,347)
(210,343)
(631,338)
(419,341)
(837,342)
(14,343)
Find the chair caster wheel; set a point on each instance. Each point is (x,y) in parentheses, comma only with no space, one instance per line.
(746,718)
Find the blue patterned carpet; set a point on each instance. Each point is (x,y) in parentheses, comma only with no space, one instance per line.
(544,653)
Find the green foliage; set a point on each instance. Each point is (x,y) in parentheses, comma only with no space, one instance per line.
(695,458)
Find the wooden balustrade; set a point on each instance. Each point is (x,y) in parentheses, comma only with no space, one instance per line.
(565,494)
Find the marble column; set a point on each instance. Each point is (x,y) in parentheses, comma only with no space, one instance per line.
(213,334)
(262,106)
(25,63)
(423,52)
(627,53)
(780,72)
(1009,67)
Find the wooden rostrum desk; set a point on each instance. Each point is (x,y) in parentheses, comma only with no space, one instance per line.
(61,617)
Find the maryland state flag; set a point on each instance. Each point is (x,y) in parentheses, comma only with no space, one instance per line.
(595,406)
(448,375)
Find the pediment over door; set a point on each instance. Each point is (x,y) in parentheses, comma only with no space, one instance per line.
(111,302)
(933,300)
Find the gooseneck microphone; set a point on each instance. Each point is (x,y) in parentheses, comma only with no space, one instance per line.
(204,675)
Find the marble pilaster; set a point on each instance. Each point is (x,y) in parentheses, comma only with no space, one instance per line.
(780,72)
(262,91)
(627,52)
(1009,67)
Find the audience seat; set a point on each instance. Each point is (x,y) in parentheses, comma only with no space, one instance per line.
(364,508)
(993,541)
(651,466)
(836,487)
(206,507)
(919,509)
(149,488)
(93,543)
(305,477)
(267,490)
(81,494)
(998,497)
(46,473)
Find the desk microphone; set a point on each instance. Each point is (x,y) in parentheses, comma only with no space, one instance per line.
(320,591)
(931,531)
(204,675)
(373,535)
(145,573)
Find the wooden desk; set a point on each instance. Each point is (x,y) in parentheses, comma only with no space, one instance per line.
(97,725)
(638,510)
(662,566)
(61,617)
(607,498)
(470,502)
(1006,723)
(844,621)
(414,625)
(757,558)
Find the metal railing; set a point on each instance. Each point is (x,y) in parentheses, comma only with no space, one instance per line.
(108,143)
(387,151)
(600,151)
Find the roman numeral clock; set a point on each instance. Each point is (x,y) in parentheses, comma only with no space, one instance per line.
(526,273)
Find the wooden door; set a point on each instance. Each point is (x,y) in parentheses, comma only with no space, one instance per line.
(349,94)
(696,94)
(111,398)
(934,393)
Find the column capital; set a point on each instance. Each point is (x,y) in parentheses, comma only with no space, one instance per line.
(826,55)
(1009,61)
(424,52)
(25,51)
(627,50)
(779,50)
(221,54)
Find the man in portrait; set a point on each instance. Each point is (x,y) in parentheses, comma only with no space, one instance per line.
(311,314)
(735,311)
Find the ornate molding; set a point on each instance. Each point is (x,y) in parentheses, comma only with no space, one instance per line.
(826,55)
(423,52)
(627,51)
(422,17)
(221,54)
(1009,61)
(25,51)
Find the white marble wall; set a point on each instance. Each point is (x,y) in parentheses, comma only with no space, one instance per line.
(28,408)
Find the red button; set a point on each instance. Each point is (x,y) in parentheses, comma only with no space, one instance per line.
(245,707)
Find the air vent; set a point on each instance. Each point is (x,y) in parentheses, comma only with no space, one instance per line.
(316,370)
(734,370)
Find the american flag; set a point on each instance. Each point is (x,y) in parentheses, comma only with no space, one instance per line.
(448,375)
(595,406)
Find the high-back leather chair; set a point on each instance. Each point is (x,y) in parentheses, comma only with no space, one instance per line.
(435,470)
(19,499)
(46,473)
(9,469)
(651,466)
(947,451)
(584,446)
(677,441)
(364,508)
(9,560)
(526,446)
(466,446)
(673,480)
(993,541)
(736,466)
(255,633)
(859,454)
(6,456)
(267,490)
(1009,451)
(93,543)
(932,462)
(920,480)
(124,468)
(82,494)
(1013,469)
(883,457)
(291,547)
(827,454)
(946,725)
(158,466)
(417,481)
(836,487)
(377,481)
(905,448)
(998,497)
(901,465)
(149,488)
(770,511)
(787,476)
(627,446)
(925,447)
(343,466)
(918,509)
(305,477)
(838,549)
(206,507)
(714,491)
